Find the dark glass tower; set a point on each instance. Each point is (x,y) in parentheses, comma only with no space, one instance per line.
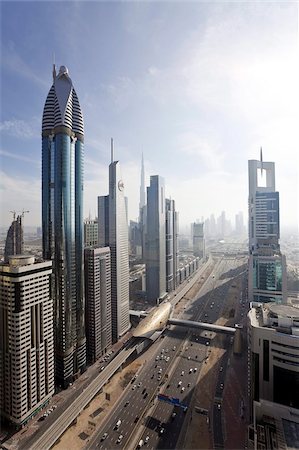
(62,221)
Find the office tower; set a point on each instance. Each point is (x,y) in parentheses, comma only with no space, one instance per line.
(169,226)
(26,338)
(135,239)
(274,353)
(90,232)
(142,191)
(198,239)
(62,221)
(239,224)
(267,266)
(113,232)
(263,206)
(14,243)
(156,245)
(142,212)
(213,228)
(176,259)
(97,268)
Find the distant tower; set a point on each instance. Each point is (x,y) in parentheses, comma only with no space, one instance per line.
(156,243)
(198,239)
(26,338)
(62,221)
(14,243)
(113,232)
(267,266)
(142,190)
(172,259)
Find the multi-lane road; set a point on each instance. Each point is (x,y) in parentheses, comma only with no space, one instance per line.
(172,367)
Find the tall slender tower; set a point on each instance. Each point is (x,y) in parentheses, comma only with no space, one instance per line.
(156,240)
(142,190)
(113,232)
(62,221)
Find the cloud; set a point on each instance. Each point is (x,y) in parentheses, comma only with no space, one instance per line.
(21,129)
(18,194)
(19,157)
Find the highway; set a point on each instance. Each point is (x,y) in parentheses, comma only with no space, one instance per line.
(140,413)
(49,436)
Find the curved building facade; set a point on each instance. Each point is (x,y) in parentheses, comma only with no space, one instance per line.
(62,221)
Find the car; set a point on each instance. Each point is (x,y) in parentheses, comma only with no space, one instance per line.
(157,358)
(102,368)
(152,376)
(195,356)
(173,415)
(218,406)
(161,430)
(221,386)
(146,439)
(206,315)
(168,386)
(207,343)
(162,351)
(182,373)
(145,395)
(136,419)
(189,358)
(182,390)
(41,419)
(221,369)
(126,404)
(140,444)
(119,439)
(189,384)
(139,384)
(174,348)
(195,369)
(159,377)
(190,370)
(105,435)
(160,370)
(143,391)
(133,387)
(179,383)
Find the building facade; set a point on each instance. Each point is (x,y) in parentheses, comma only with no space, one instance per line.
(26,338)
(14,244)
(267,279)
(155,240)
(62,221)
(97,268)
(274,353)
(113,232)
(90,233)
(198,239)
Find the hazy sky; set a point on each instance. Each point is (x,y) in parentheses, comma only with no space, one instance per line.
(198,87)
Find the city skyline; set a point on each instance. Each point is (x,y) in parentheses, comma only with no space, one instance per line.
(197,88)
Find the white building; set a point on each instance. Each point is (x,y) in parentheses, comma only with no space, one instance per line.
(90,233)
(26,338)
(274,353)
(113,232)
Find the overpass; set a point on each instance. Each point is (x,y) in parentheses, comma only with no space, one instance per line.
(202,326)
(46,438)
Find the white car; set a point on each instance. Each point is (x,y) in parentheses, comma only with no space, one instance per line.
(180,382)
(119,439)
(182,390)
(146,439)
(182,373)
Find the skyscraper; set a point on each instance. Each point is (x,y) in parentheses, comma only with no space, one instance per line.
(155,240)
(62,221)
(26,338)
(267,266)
(172,251)
(14,243)
(98,301)
(198,239)
(113,232)
(90,232)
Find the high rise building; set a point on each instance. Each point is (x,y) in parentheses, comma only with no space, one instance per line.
(62,221)
(90,232)
(142,191)
(239,224)
(198,239)
(274,354)
(97,268)
(267,266)
(113,232)
(14,244)
(155,240)
(169,226)
(26,338)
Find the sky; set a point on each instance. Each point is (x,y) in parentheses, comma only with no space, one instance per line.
(198,87)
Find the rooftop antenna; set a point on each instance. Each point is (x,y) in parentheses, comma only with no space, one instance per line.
(14,214)
(261,158)
(54,68)
(112,151)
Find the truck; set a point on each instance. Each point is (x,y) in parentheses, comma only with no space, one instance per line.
(118,424)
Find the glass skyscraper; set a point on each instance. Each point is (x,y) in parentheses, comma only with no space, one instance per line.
(62,221)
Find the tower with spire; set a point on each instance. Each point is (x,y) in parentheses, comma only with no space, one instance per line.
(62,221)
